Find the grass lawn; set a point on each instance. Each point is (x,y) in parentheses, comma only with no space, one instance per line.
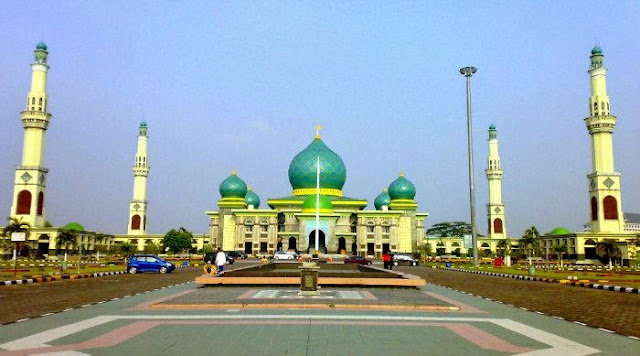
(618,278)
(6,271)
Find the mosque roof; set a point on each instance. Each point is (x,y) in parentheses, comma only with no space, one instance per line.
(143,124)
(596,50)
(492,127)
(74,226)
(560,231)
(252,198)
(325,204)
(402,188)
(233,187)
(382,199)
(41,46)
(302,170)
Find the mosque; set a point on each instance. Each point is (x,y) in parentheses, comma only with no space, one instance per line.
(344,224)
(345,227)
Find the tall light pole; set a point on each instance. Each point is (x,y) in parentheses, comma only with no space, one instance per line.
(468,72)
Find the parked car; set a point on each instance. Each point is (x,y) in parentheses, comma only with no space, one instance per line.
(148,263)
(357,259)
(402,259)
(210,257)
(237,255)
(285,255)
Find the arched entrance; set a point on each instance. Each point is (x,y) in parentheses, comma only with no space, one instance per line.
(293,245)
(321,242)
(342,245)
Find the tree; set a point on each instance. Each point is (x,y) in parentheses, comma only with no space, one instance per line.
(608,250)
(150,247)
(177,240)
(66,238)
(504,247)
(15,225)
(126,249)
(560,250)
(450,228)
(531,242)
(425,250)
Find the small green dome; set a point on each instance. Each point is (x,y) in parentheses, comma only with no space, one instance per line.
(302,170)
(402,188)
(41,46)
(382,200)
(233,187)
(309,205)
(74,226)
(252,198)
(596,50)
(560,231)
(143,124)
(492,127)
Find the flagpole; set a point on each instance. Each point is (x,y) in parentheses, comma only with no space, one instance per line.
(318,206)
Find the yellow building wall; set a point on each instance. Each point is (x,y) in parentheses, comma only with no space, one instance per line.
(404,234)
(229,233)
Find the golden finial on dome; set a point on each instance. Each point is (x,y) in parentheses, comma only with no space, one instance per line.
(401,173)
(318,127)
(234,173)
(384,190)
(249,188)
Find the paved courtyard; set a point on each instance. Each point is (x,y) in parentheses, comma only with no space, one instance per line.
(185,318)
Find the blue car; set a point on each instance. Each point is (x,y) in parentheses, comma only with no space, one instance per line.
(149,263)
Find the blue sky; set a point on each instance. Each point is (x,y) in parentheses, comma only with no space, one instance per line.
(239,85)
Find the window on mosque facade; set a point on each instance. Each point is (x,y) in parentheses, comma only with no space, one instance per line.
(497,226)
(594,208)
(385,229)
(610,206)
(135,222)
(370,229)
(40,203)
(24,203)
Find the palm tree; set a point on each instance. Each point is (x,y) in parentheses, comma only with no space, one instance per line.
(504,247)
(530,241)
(608,250)
(126,248)
(66,238)
(560,250)
(16,225)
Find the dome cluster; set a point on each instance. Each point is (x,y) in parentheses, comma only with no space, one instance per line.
(235,188)
(400,190)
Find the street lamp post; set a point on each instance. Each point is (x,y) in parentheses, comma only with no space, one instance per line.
(468,72)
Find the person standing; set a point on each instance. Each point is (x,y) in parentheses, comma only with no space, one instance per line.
(221,260)
(386,260)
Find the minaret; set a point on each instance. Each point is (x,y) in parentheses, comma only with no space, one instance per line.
(138,206)
(604,183)
(495,209)
(31,177)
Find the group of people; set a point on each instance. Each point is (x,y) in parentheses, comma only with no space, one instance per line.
(387,260)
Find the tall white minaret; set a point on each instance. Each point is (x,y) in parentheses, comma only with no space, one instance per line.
(495,209)
(138,206)
(604,182)
(31,177)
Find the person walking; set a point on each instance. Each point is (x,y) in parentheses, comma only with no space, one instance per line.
(221,260)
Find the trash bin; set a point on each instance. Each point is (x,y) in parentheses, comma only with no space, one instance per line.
(532,271)
(497,262)
(447,265)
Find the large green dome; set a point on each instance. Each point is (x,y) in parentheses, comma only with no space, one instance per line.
(74,226)
(382,200)
(302,170)
(252,198)
(402,188)
(560,231)
(233,187)
(309,205)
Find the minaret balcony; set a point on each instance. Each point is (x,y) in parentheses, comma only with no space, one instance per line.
(37,119)
(140,171)
(494,173)
(600,123)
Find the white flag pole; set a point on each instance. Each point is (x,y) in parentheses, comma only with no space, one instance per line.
(318,205)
